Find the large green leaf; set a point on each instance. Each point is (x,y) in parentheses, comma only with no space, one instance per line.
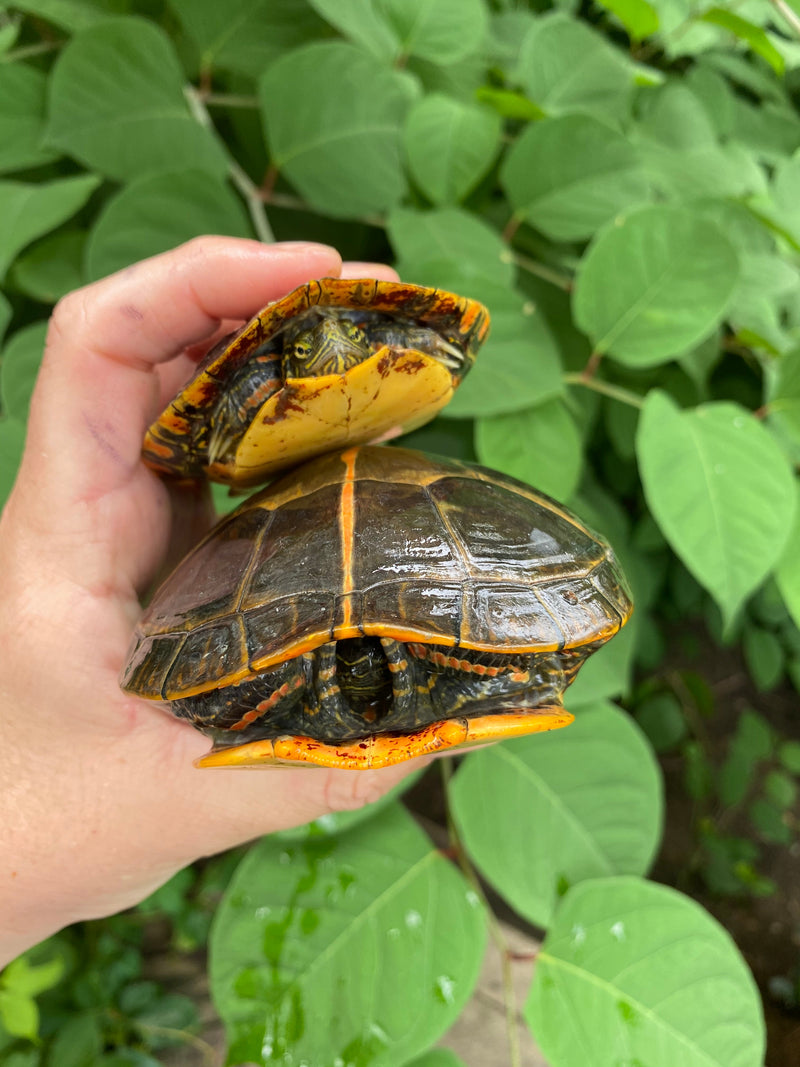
(569,175)
(158,212)
(22,100)
(31,210)
(601,83)
(5,314)
(443,32)
(361,947)
(342,150)
(653,284)
(450,235)
(540,445)
(721,491)
(450,145)
(245,35)
(543,812)
(117,104)
(636,973)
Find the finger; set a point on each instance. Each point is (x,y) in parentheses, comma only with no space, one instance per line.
(97,387)
(359,269)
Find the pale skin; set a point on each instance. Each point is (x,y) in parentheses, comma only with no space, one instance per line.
(100,800)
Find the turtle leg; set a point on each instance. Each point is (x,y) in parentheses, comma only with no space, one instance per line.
(410,692)
(329,714)
(240,402)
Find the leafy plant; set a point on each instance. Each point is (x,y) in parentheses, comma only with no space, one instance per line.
(620,184)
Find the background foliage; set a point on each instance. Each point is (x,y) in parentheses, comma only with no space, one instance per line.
(620,182)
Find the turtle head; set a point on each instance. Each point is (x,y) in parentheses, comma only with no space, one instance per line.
(332,346)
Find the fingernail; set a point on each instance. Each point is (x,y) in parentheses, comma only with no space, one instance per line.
(303,246)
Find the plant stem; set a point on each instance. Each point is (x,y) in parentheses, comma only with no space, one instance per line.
(541,271)
(240,178)
(791,16)
(28,50)
(495,930)
(228,100)
(616,392)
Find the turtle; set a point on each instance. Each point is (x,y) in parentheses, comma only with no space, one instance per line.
(374,605)
(336,362)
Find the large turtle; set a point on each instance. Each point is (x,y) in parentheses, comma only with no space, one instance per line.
(374,605)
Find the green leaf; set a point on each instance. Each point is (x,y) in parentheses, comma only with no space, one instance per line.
(52,267)
(750,745)
(661,718)
(789,755)
(19,367)
(748,32)
(721,491)
(117,104)
(638,17)
(541,446)
(12,442)
(763,654)
(32,210)
(450,145)
(73,14)
(553,809)
(443,32)
(5,314)
(464,241)
(518,366)
(158,212)
(509,104)
(784,402)
(567,176)
(30,979)
(769,821)
(631,971)
(245,35)
(781,789)
(787,573)
(438,1057)
(698,773)
(608,672)
(22,103)
(363,946)
(342,150)
(78,1043)
(601,83)
(653,284)
(19,1014)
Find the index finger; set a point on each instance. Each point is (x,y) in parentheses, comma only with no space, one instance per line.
(97,388)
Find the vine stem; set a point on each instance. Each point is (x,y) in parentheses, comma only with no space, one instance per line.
(541,271)
(791,16)
(228,100)
(495,930)
(616,392)
(27,50)
(240,178)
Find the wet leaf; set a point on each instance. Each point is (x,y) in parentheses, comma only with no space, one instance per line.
(721,491)
(363,946)
(630,970)
(553,809)
(451,235)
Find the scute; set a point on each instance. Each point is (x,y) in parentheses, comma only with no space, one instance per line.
(380,541)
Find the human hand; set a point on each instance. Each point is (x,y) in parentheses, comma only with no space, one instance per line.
(101,803)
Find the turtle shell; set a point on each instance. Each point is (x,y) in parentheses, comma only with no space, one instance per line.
(383,542)
(398,385)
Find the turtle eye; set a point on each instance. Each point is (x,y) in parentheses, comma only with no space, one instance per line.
(355,333)
(301,350)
